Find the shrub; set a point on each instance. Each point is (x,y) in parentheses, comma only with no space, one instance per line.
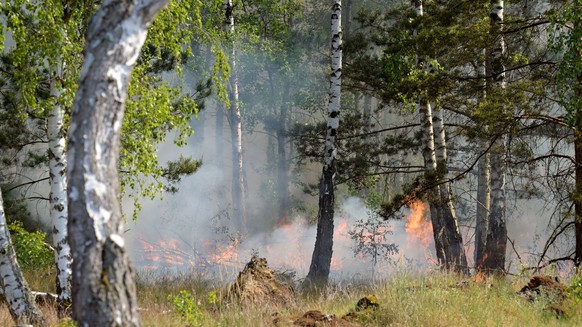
(575,288)
(31,250)
(187,309)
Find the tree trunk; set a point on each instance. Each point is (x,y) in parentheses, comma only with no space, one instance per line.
(483,205)
(238,182)
(282,163)
(320,266)
(448,241)
(496,242)
(578,191)
(429,157)
(103,288)
(218,138)
(347,30)
(456,258)
(19,300)
(58,198)
(577,48)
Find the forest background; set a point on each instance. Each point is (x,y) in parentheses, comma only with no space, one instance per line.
(282,68)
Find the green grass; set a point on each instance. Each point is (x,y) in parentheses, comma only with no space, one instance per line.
(431,299)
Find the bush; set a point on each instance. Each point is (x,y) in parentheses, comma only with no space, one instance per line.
(575,288)
(187,309)
(31,250)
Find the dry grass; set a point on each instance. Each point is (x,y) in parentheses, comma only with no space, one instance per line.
(405,300)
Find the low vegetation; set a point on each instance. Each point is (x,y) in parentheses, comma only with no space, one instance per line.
(405,299)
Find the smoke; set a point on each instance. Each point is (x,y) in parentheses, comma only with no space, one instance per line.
(190,231)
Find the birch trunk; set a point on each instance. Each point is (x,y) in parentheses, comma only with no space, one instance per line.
(577,45)
(456,258)
(103,288)
(578,192)
(282,163)
(483,189)
(238,182)
(483,205)
(58,198)
(429,156)
(320,266)
(496,243)
(448,241)
(19,300)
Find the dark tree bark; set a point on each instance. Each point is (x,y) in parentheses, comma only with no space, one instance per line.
(103,288)
(320,266)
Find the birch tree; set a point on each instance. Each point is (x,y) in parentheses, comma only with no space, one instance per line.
(235,120)
(567,26)
(44,75)
(320,266)
(58,198)
(19,300)
(574,60)
(483,205)
(448,241)
(496,240)
(103,288)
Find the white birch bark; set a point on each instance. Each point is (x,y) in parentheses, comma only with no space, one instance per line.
(483,188)
(448,240)
(238,182)
(483,206)
(496,243)
(103,287)
(320,266)
(58,196)
(19,299)
(430,167)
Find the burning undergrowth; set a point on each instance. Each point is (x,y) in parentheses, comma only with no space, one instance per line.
(288,247)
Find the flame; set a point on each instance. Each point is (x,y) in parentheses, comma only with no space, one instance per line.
(340,236)
(289,246)
(418,228)
(226,255)
(342,229)
(165,253)
(283,222)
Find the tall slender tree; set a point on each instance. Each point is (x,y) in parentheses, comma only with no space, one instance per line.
(320,266)
(235,120)
(574,59)
(103,289)
(448,240)
(496,240)
(44,77)
(483,205)
(58,196)
(20,301)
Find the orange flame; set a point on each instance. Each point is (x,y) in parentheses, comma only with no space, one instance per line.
(226,255)
(340,236)
(418,227)
(165,253)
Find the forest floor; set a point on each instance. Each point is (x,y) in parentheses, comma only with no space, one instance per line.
(405,299)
